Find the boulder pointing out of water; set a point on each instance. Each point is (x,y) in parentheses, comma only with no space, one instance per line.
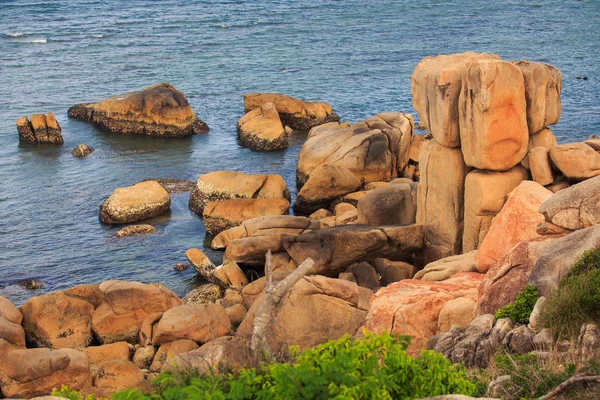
(43,128)
(261,129)
(135,203)
(159,110)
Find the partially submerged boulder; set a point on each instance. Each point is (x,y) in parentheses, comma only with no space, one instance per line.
(295,113)
(159,110)
(219,216)
(43,128)
(225,185)
(135,203)
(134,230)
(261,129)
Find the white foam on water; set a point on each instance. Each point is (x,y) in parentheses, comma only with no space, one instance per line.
(98,36)
(39,41)
(15,34)
(223,26)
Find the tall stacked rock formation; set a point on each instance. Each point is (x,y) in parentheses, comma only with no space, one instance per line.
(43,128)
(159,110)
(485,115)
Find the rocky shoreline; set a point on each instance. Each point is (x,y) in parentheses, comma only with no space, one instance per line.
(426,236)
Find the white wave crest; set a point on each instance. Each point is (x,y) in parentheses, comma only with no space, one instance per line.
(223,26)
(98,36)
(39,41)
(15,34)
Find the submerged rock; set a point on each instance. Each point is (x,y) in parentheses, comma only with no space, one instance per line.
(132,230)
(82,150)
(159,110)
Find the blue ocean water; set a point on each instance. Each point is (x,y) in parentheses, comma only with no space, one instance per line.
(355,55)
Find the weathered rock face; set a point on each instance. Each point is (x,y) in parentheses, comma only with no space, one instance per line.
(43,128)
(57,320)
(516,222)
(35,372)
(135,203)
(169,350)
(201,263)
(412,307)
(389,205)
(558,260)
(441,197)
(219,216)
(485,195)
(392,271)
(446,268)
(10,324)
(261,129)
(326,183)
(207,293)
(231,275)
(295,113)
(159,110)
(252,250)
(134,230)
(540,166)
(578,161)
(317,309)
(335,249)
(117,375)
(376,149)
(82,150)
(98,355)
(543,84)
(576,207)
(198,322)
(436,84)
(509,275)
(225,185)
(493,116)
(125,306)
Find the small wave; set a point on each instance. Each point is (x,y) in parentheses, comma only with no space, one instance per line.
(224,26)
(39,41)
(15,34)
(98,36)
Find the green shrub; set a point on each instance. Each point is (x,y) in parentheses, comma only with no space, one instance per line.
(376,367)
(520,310)
(577,300)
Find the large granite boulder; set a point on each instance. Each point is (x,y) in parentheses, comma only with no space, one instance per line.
(43,128)
(394,204)
(516,222)
(159,110)
(578,161)
(376,149)
(335,249)
(315,310)
(35,372)
(169,350)
(11,330)
(447,267)
(98,355)
(116,375)
(540,165)
(261,129)
(493,115)
(576,207)
(485,195)
(124,308)
(436,84)
(225,185)
(412,307)
(219,216)
(295,113)
(441,196)
(135,203)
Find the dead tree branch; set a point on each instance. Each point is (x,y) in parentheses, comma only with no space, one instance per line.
(571,381)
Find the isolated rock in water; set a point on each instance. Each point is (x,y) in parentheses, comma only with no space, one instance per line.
(543,84)
(516,222)
(493,116)
(485,195)
(222,215)
(295,113)
(226,185)
(316,309)
(436,85)
(578,161)
(576,207)
(135,203)
(159,110)
(335,249)
(117,375)
(35,372)
(558,259)
(261,129)
(43,128)
(125,306)
(82,150)
(412,307)
(198,322)
(57,320)
(509,275)
(131,230)
(389,205)
(441,196)
(374,150)
(201,263)
(446,268)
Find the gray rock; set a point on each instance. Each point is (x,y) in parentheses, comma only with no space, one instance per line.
(520,340)
(534,318)
(389,205)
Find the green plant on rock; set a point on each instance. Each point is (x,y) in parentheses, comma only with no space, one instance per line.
(577,299)
(520,310)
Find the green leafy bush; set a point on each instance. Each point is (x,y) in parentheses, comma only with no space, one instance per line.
(520,310)
(376,367)
(577,300)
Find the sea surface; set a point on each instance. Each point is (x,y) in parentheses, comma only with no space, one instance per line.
(355,55)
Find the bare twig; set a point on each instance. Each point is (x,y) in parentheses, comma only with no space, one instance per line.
(267,310)
(581,378)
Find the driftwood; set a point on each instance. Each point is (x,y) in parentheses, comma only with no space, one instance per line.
(268,308)
(581,378)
